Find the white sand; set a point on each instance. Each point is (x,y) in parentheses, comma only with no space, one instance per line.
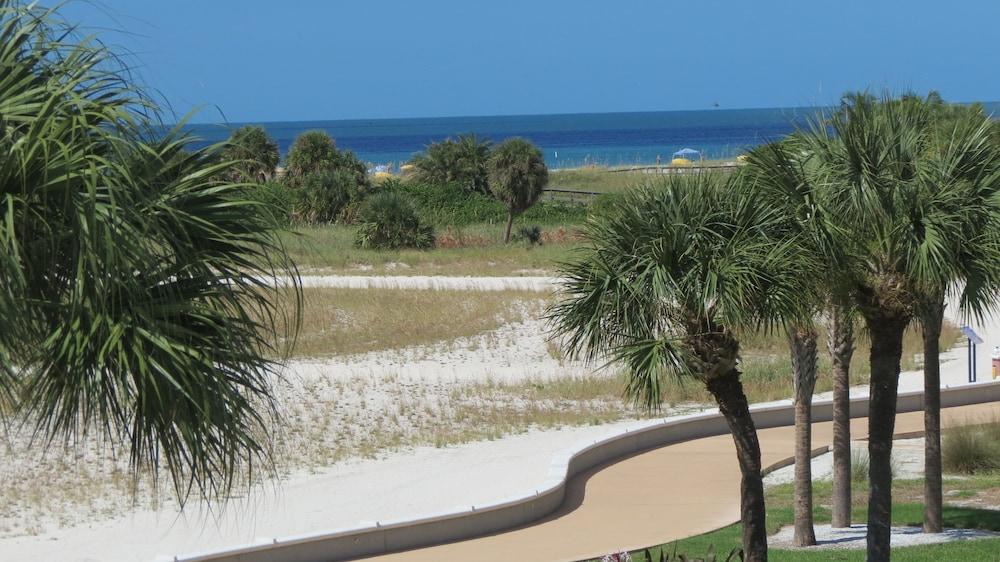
(406,484)
(431,282)
(828,538)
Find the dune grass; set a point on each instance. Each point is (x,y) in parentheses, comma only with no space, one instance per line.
(597,179)
(972,449)
(347,321)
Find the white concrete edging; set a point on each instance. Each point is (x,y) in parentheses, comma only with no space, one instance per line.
(388,536)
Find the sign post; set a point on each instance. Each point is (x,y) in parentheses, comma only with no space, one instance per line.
(974,339)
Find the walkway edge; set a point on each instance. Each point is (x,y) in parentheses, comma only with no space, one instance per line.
(388,536)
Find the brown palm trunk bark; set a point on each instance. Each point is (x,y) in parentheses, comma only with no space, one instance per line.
(932,316)
(728,393)
(887,348)
(802,343)
(510,223)
(840,345)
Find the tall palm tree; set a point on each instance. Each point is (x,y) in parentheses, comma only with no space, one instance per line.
(789,182)
(802,344)
(840,347)
(898,236)
(670,278)
(131,277)
(960,154)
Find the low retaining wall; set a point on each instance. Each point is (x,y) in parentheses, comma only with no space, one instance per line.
(389,536)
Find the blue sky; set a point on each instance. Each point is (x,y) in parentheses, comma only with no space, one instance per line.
(257,60)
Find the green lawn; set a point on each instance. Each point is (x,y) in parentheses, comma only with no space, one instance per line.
(908,511)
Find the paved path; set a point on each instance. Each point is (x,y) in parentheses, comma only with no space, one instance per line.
(659,496)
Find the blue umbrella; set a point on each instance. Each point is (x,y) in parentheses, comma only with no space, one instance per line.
(686,152)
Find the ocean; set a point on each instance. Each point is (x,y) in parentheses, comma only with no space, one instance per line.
(566,140)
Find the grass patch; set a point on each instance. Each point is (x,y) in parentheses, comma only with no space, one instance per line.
(347,321)
(907,511)
(970,449)
(596,179)
(479,251)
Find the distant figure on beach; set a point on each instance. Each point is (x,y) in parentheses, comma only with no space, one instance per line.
(657,159)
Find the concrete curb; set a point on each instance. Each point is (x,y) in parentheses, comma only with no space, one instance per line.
(388,536)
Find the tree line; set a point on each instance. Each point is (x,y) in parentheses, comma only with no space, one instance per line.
(323,184)
(886,209)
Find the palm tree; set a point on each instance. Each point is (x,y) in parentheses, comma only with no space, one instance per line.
(961,153)
(900,214)
(311,152)
(802,343)
(788,181)
(462,160)
(670,278)
(134,302)
(255,152)
(517,176)
(840,346)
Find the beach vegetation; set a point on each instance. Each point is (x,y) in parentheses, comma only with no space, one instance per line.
(326,196)
(273,200)
(669,282)
(132,305)
(388,221)
(517,176)
(461,161)
(896,197)
(311,152)
(255,153)
(970,449)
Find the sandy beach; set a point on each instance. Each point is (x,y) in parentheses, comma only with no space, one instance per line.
(378,393)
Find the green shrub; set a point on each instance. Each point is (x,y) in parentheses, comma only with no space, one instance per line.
(451,205)
(347,161)
(461,161)
(971,449)
(387,220)
(325,195)
(533,235)
(605,203)
(311,152)
(255,152)
(276,201)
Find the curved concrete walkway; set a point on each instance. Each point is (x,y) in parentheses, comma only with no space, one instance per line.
(657,496)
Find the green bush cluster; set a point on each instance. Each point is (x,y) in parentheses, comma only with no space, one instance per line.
(461,161)
(325,195)
(451,205)
(324,185)
(388,220)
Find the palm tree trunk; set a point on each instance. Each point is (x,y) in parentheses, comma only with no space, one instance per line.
(932,316)
(728,393)
(802,343)
(887,349)
(840,345)
(510,223)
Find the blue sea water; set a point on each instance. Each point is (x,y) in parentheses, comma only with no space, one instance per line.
(566,140)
